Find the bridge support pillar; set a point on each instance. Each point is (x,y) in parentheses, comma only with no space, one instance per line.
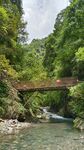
(66,100)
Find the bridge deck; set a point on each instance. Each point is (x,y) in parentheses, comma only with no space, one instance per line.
(46,85)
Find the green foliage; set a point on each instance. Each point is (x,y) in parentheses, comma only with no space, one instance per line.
(65,52)
(54,99)
(12,32)
(12,27)
(38,47)
(18,3)
(32,68)
(50,55)
(77,101)
(61,54)
(32,103)
(10,109)
(4,65)
(80,54)
(10,106)
(3,89)
(3,23)
(65,41)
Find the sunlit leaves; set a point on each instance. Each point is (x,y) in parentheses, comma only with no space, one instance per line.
(80,54)
(77,102)
(4,65)
(3,22)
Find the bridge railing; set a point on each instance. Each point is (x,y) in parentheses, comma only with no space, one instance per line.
(46,84)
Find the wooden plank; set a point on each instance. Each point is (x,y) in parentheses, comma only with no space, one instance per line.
(46,85)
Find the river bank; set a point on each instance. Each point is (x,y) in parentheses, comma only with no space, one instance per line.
(79,123)
(12,126)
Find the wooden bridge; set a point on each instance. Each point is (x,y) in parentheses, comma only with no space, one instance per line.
(46,85)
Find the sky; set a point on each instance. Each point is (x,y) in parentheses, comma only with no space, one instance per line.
(40,16)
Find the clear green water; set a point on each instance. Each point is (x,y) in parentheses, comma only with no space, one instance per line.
(45,137)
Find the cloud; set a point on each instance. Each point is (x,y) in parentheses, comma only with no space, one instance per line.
(41,15)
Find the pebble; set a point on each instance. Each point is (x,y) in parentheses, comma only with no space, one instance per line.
(12,126)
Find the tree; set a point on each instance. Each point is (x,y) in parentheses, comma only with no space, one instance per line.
(4,65)
(77,101)
(3,24)
(12,26)
(18,3)
(67,38)
(79,55)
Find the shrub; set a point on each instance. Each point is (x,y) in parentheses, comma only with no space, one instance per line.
(77,100)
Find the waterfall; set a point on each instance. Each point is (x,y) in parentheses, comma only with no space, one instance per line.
(54,117)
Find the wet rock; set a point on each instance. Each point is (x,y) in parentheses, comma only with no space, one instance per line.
(21,118)
(1,120)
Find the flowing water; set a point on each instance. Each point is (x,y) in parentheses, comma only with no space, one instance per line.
(46,136)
